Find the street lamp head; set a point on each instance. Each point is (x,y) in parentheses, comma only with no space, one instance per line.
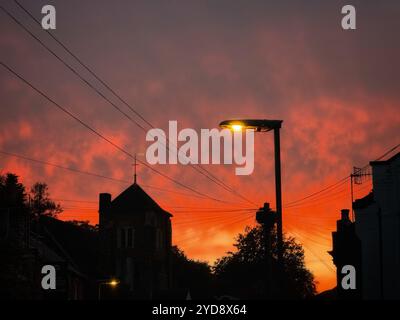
(237,127)
(251,124)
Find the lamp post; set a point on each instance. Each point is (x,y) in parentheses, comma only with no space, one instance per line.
(111,282)
(259,125)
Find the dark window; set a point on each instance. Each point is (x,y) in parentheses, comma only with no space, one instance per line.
(150,238)
(122,237)
(126,237)
(159,239)
(130,238)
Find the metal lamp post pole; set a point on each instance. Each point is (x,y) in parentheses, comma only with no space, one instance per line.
(264,125)
(278,195)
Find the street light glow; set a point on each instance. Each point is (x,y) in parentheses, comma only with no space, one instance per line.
(237,127)
(113,283)
(258,125)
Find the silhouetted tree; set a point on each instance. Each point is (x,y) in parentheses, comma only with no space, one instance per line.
(41,204)
(192,275)
(85,225)
(15,279)
(12,192)
(242,273)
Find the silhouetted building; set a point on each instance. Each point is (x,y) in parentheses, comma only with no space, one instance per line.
(72,250)
(377,217)
(63,245)
(26,245)
(135,240)
(346,251)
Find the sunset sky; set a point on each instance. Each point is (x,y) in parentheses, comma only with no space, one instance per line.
(201,62)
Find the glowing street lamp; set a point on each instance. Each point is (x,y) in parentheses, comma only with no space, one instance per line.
(111,282)
(260,125)
(252,124)
(237,127)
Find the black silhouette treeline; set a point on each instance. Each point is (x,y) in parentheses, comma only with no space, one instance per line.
(135,251)
(243,272)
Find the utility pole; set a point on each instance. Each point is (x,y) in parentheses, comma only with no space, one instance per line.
(267,218)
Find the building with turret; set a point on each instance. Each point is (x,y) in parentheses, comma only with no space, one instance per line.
(135,241)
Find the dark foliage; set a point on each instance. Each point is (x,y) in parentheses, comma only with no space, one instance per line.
(16,279)
(84,225)
(41,204)
(243,273)
(12,192)
(191,275)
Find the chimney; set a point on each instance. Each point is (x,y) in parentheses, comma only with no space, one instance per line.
(344,221)
(104,202)
(104,206)
(266,207)
(345,214)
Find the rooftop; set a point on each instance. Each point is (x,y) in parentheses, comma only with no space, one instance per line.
(388,161)
(134,198)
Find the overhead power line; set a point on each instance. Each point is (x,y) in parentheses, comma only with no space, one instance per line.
(78,171)
(338,183)
(46,163)
(70,68)
(322,260)
(94,131)
(186,239)
(386,153)
(87,68)
(323,196)
(314,196)
(203,171)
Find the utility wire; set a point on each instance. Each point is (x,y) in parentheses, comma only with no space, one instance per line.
(192,238)
(208,174)
(69,67)
(83,64)
(338,183)
(329,267)
(105,138)
(321,197)
(195,221)
(10,154)
(46,163)
(328,200)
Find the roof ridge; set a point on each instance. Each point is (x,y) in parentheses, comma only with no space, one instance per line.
(135,198)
